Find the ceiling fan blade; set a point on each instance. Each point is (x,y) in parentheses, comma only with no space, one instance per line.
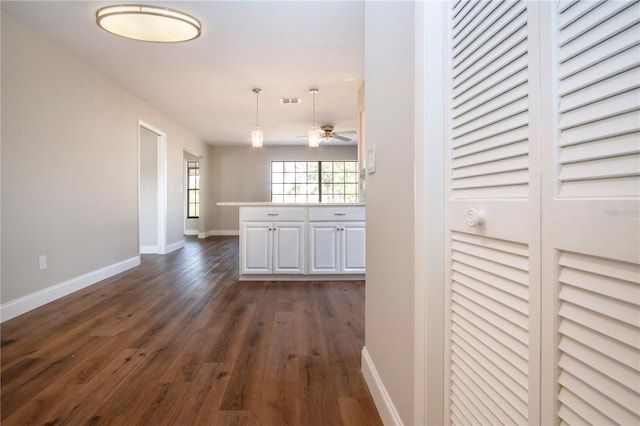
(347,132)
(342,138)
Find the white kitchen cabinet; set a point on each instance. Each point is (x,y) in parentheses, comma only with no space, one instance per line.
(302,242)
(337,248)
(272,247)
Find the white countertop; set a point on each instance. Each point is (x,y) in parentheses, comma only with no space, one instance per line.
(270,204)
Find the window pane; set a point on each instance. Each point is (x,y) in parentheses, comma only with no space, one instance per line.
(289,198)
(338,166)
(327,189)
(277,188)
(327,166)
(312,177)
(289,177)
(289,188)
(338,198)
(351,188)
(277,178)
(301,177)
(277,198)
(351,198)
(290,166)
(327,177)
(277,167)
(313,198)
(301,166)
(338,177)
(350,166)
(351,177)
(301,198)
(312,167)
(312,188)
(197,207)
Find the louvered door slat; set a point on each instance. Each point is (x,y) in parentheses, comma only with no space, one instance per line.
(510,302)
(511,137)
(487,63)
(614,147)
(591,396)
(512,62)
(507,286)
(606,108)
(491,388)
(601,23)
(586,410)
(481,418)
(478,349)
(490,103)
(623,354)
(624,396)
(597,64)
(507,338)
(462,28)
(612,167)
(491,155)
(489,33)
(484,14)
(576,11)
(599,331)
(607,88)
(512,394)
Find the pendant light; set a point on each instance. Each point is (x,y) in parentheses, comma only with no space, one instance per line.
(315,134)
(257,137)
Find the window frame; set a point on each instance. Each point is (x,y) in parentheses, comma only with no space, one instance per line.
(323,197)
(196,188)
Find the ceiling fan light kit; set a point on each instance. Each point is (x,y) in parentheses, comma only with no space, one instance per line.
(148,23)
(257,137)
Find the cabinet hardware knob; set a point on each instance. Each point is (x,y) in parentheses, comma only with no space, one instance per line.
(273,214)
(475,217)
(339,214)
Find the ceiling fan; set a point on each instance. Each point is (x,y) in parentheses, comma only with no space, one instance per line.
(329,134)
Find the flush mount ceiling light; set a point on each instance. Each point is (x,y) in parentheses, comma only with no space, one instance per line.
(257,137)
(315,134)
(148,23)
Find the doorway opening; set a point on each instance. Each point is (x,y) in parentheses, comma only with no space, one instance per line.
(152,189)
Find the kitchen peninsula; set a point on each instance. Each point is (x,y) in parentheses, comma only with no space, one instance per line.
(301,242)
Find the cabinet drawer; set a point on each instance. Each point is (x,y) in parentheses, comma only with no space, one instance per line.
(272,214)
(336,213)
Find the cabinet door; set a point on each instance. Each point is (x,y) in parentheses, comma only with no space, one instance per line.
(353,256)
(255,248)
(288,248)
(324,248)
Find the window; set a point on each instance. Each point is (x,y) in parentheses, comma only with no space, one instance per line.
(314,181)
(193,189)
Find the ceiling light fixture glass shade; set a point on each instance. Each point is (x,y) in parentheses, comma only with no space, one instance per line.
(148,23)
(315,134)
(257,137)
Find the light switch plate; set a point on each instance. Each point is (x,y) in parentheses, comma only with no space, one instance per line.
(371,159)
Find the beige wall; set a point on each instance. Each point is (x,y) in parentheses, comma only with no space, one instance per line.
(389,106)
(70,165)
(244,174)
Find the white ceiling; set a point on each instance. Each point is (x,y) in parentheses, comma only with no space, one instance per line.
(282,47)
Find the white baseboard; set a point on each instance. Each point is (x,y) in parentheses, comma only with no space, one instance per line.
(219,232)
(35,300)
(174,246)
(384,404)
(148,249)
(191,232)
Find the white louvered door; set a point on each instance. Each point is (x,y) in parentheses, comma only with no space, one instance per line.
(590,224)
(543,137)
(493,274)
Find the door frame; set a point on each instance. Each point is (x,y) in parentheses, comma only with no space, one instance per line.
(161,188)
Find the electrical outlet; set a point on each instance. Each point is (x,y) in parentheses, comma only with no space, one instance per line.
(42,261)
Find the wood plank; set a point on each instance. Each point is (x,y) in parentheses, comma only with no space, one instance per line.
(179,340)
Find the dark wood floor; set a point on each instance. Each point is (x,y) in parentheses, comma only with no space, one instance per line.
(179,341)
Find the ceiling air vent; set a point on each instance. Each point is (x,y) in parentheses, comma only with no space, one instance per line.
(290,100)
